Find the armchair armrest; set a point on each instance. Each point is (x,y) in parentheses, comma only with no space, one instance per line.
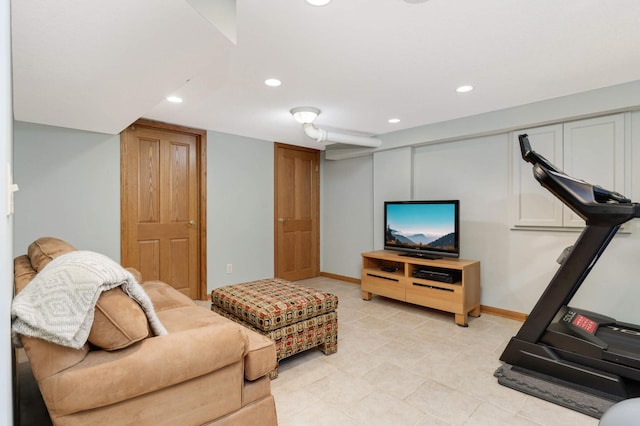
(104,378)
(47,358)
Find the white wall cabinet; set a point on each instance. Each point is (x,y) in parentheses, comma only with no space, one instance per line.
(595,150)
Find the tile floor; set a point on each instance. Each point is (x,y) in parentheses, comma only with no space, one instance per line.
(400,364)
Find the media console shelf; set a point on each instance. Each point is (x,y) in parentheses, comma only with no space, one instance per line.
(388,274)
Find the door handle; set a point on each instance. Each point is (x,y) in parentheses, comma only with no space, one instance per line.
(191,223)
(282,220)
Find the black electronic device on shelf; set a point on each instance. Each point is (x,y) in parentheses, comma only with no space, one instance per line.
(433,273)
(562,344)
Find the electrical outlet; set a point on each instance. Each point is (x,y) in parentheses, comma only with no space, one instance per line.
(229,268)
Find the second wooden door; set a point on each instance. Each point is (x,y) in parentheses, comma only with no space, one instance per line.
(297,201)
(160,206)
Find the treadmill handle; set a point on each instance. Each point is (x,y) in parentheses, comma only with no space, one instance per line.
(529,155)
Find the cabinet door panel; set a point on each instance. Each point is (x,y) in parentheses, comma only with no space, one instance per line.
(533,204)
(594,151)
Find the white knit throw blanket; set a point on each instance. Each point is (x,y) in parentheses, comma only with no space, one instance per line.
(58,304)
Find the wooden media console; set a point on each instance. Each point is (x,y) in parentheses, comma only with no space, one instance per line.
(387,273)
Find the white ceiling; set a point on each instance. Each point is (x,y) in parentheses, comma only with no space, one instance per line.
(99,66)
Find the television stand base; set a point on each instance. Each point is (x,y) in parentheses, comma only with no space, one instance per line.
(421,256)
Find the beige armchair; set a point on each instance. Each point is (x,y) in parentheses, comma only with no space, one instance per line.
(206,370)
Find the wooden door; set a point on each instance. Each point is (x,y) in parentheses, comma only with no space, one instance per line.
(297,205)
(162,195)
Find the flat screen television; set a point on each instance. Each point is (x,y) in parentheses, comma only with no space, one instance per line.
(427,229)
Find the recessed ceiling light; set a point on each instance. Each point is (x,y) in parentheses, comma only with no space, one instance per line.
(318,2)
(272,82)
(394,120)
(464,89)
(174,99)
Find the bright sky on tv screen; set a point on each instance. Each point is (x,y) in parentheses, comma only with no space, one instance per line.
(409,219)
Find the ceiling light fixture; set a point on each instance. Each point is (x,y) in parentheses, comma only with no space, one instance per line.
(464,89)
(272,82)
(305,115)
(394,120)
(174,99)
(318,2)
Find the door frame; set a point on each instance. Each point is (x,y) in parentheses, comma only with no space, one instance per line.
(278,145)
(201,146)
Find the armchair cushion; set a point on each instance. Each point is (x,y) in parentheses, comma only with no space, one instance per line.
(23,272)
(118,321)
(45,249)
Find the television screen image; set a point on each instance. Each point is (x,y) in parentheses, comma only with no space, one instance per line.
(423,228)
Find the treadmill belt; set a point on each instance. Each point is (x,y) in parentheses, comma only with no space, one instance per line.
(626,339)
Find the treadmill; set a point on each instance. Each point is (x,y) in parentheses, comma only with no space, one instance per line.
(557,343)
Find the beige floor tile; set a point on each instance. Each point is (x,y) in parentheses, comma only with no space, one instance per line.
(341,389)
(443,402)
(365,340)
(291,400)
(378,308)
(355,362)
(346,315)
(407,319)
(385,410)
(399,381)
(317,414)
(374,324)
(488,414)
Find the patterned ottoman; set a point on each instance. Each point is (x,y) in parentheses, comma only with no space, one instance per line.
(297,318)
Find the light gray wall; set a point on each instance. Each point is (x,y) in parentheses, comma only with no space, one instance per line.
(516,265)
(6,225)
(69,187)
(346,214)
(475,172)
(239,209)
(392,181)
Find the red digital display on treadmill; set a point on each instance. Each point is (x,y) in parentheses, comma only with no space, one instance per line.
(585,323)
